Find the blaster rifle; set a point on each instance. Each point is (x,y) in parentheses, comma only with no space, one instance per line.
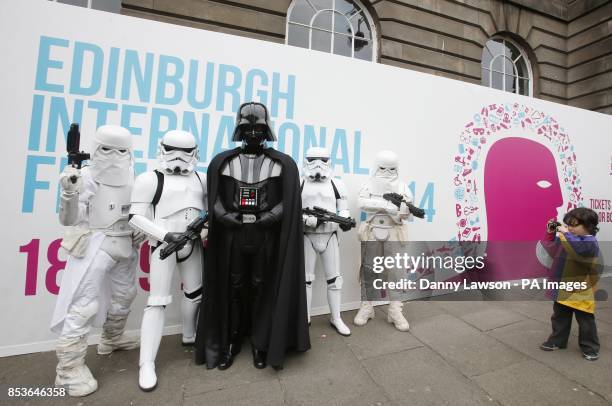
(193,231)
(398,199)
(322,215)
(75,157)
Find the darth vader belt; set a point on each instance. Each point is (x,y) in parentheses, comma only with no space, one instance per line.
(248,218)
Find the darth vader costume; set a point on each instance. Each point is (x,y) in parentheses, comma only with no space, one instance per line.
(254,278)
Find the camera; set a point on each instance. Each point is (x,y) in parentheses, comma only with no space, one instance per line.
(552,226)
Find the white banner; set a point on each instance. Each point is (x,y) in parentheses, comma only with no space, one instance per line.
(455,140)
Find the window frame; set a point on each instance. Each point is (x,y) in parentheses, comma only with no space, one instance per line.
(362,10)
(522,54)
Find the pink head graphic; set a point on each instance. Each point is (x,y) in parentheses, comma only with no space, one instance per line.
(521,185)
(522,190)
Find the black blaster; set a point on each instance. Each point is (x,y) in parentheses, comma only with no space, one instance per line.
(73,142)
(397,200)
(193,231)
(322,215)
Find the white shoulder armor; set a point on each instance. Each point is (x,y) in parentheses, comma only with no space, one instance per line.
(341,187)
(342,202)
(181,192)
(144,188)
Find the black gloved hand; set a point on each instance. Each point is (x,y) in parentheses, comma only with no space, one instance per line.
(267,219)
(172,237)
(231,220)
(345,227)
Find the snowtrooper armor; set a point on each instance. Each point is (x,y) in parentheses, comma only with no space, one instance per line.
(384,222)
(99,282)
(319,189)
(164,203)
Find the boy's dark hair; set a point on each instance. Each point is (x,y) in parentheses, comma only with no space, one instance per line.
(581,215)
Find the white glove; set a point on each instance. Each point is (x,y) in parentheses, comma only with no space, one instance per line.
(138,237)
(310,221)
(66,180)
(391,208)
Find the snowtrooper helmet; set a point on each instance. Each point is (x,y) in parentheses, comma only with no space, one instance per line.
(316,164)
(111,161)
(386,164)
(177,153)
(253,125)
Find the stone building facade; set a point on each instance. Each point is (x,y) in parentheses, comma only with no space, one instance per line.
(568,42)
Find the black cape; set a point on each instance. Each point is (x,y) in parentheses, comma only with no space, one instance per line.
(286,305)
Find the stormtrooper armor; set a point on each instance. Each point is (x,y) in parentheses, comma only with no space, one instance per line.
(384,222)
(319,189)
(95,203)
(164,203)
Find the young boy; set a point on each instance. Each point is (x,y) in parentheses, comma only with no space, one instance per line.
(574,253)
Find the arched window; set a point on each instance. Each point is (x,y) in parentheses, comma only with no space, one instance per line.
(341,27)
(506,67)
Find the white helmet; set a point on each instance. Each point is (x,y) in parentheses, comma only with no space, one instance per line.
(178,152)
(111,160)
(386,163)
(316,164)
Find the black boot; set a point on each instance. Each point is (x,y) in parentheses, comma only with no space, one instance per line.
(227,358)
(259,358)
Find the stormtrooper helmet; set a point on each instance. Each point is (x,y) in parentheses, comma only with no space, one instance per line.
(177,153)
(111,162)
(386,164)
(316,164)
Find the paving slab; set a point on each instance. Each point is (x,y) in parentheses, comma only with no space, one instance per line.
(538,310)
(201,380)
(328,374)
(378,337)
(527,336)
(532,383)
(482,315)
(465,347)
(421,377)
(418,310)
(267,393)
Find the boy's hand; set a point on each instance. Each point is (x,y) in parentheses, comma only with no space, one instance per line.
(562,229)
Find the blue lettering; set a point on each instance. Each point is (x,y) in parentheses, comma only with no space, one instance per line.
(102,109)
(277,95)
(357,169)
(310,138)
(165,78)
(45,63)
(157,130)
(31,183)
(193,85)
(131,67)
(339,144)
(283,129)
(190,125)
(80,49)
(58,114)
(38,105)
(126,117)
(111,77)
(225,87)
(262,95)
(224,132)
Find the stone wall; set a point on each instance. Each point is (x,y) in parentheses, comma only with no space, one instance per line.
(569,42)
